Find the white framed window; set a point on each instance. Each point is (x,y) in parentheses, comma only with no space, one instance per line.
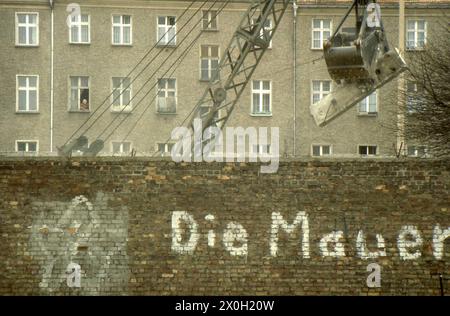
(418,151)
(320,150)
(121,94)
(121,148)
(369,104)
(320,89)
(27,29)
(79,94)
(121,30)
(167,30)
(368,150)
(164,149)
(416,34)
(209,61)
(167,96)
(27,93)
(80,29)
(266,30)
(413,97)
(209,20)
(261,97)
(27,146)
(321,31)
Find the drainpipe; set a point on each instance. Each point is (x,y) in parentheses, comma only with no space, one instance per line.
(401,82)
(51,3)
(295,7)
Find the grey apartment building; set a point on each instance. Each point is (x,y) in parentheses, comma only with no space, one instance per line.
(65,71)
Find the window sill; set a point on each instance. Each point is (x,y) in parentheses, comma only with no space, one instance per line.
(27,112)
(316,49)
(166,45)
(27,45)
(261,114)
(82,43)
(415,49)
(210,30)
(166,113)
(121,45)
(79,111)
(121,111)
(368,114)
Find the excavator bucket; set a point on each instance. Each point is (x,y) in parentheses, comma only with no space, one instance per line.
(94,149)
(79,143)
(347,94)
(359,62)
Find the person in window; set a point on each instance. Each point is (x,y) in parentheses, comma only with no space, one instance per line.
(84,105)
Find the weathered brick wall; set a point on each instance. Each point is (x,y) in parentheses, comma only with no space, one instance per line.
(129,225)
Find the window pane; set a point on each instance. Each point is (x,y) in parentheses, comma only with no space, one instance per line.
(266,85)
(116,82)
(22,81)
(22,35)
(326,24)
(255,103)
(127,35)
(84,33)
(421,25)
(213,23)
(32,18)
(215,51)
(116,31)
(256,84)
(21,146)
(84,81)
(204,51)
(316,98)
(32,146)
(172,36)
(32,81)
(326,86)
(171,83)
(161,32)
(372,150)
(74,34)
(22,18)
(33,100)
(116,97)
(161,20)
(266,103)
(84,18)
(363,150)
(316,150)
(373,103)
(116,147)
(84,99)
(126,97)
(22,100)
(171,20)
(116,18)
(325,150)
(126,19)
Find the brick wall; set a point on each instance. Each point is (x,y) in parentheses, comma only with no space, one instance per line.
(155,227)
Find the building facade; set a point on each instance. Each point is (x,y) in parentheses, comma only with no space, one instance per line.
(69,69)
